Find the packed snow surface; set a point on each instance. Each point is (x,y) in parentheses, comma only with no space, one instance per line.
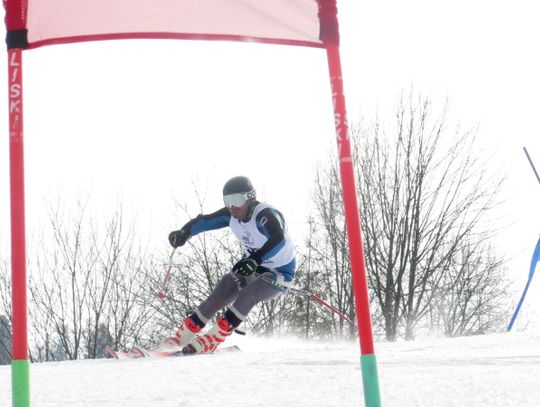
(493,370)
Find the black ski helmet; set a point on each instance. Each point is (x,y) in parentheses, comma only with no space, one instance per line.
(239,184)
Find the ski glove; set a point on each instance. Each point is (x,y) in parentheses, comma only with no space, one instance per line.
(246,266)
(179,237)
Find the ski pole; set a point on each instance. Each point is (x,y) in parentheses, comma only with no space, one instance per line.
(161,293)
(532,165)
(306,294)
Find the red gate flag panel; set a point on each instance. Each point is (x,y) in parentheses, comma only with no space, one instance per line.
(292,22)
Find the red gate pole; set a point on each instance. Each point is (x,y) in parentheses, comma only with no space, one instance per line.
(330,37)
(20,365)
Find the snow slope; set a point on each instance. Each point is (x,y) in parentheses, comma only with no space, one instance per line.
(492,370)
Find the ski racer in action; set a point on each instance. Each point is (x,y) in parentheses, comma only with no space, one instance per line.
(268,252)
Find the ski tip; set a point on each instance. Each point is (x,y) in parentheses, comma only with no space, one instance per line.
(140,352)
(111,352)
(121,355)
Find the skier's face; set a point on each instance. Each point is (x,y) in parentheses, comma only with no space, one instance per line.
(239,212)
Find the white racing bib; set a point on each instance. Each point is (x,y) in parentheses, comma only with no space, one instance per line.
(250,234)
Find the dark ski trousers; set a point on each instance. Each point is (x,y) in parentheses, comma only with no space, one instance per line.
(243,292)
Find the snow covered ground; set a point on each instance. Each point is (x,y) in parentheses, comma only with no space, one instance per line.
(492,370)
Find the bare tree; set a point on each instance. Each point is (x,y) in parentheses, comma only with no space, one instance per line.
(315,321)
(328,248)
(423,194)
(5,340)
(5,313)
(86,288)
(62,277)
(469,295)
(5,288)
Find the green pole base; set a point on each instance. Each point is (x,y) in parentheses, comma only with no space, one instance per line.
(20,383)
(370,379)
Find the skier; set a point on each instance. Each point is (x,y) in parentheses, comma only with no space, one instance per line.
(268,252)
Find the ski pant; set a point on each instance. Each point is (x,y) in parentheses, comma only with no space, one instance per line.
(243,292)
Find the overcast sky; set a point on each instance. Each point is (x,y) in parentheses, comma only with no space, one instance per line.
(141,121)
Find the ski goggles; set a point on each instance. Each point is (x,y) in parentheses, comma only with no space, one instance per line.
(238,199)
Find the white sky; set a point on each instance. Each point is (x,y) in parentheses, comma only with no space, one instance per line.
(140,120)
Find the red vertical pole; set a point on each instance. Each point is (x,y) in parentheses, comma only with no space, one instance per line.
(352,218)
(20,363)
(18,240)
(330,37)
(350,203)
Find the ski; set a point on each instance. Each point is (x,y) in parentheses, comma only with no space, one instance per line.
(140,352)
(150,353)
(119,354)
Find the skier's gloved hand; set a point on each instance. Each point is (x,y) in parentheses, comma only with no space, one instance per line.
(246,266)
(179,237)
